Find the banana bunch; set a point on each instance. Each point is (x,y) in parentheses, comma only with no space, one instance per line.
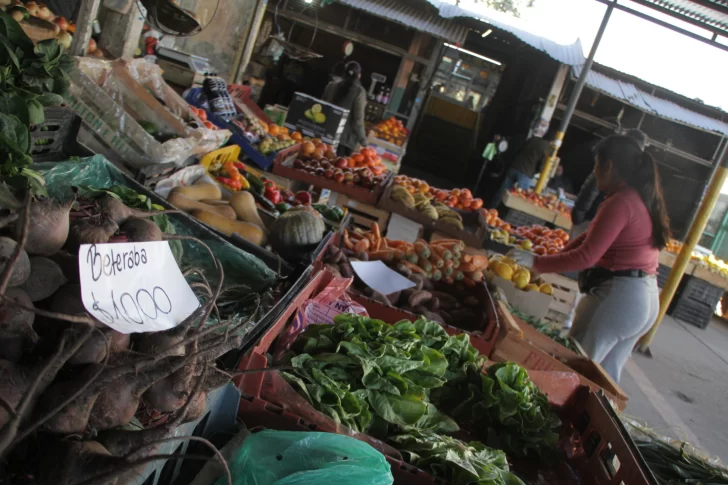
(401,195)
(449,216)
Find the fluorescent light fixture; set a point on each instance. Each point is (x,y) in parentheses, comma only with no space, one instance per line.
(487,33)
(487,59)
(308,1)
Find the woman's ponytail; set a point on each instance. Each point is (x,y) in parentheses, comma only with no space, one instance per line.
(638,169)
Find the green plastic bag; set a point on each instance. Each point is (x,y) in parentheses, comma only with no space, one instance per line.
(307,458)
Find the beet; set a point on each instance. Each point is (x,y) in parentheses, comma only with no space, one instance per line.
(15,321)
(94,350)
(45,278)
(48,226)
(69,265)
(21,270)
(118,212)
(141,230)
(90,230)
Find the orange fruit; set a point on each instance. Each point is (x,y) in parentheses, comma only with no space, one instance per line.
(308,148)
(274,130)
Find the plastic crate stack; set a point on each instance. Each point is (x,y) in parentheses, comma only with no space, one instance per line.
(696,301)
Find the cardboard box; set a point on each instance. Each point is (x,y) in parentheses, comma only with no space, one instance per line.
(316,118)
(532,303)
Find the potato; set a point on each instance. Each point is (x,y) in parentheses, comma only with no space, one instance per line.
(199,192)
(248,231)
(188,205)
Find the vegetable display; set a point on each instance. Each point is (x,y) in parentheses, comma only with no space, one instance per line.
(364,169)
(377,378)
(461,199)
(550,202)
(34,76)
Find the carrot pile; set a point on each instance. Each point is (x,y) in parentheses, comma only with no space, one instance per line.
(443,260)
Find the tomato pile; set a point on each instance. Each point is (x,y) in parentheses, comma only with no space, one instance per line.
(455,199)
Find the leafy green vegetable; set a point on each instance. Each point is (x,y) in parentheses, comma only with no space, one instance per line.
(31,77)
(455,461)
(550,330)
(506,403)
(377,378)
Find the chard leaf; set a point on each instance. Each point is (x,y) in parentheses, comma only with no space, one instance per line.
(401,410)
(15,33)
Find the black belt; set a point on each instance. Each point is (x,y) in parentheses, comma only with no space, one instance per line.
(592,277)
(630,273)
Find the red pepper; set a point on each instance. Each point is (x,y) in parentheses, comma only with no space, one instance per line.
(233,184)
(273,195)
(268,182)
(287,196)
(240,166)
(303,197)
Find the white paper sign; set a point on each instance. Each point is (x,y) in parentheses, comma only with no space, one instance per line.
(134,287)
(379,277)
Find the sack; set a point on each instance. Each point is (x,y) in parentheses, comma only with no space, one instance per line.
(306,458)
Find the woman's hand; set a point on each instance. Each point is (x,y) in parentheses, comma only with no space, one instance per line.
(522,258)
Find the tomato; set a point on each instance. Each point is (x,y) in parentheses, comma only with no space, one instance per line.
(476,204)
(540,250)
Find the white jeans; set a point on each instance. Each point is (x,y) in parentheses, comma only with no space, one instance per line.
(612,317)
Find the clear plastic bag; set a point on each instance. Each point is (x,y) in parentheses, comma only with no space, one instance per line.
(307,458)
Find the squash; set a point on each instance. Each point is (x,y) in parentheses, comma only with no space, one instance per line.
(199,191)
(248,231)
(245,208)
(188,205)
(296,232)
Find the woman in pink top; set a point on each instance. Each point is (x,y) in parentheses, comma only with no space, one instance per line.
(617,255)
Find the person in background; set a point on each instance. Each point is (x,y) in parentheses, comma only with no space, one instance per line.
(525,165)
(617,255)
(559,181)
(349,94)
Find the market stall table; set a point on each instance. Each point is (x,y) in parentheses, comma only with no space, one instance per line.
(534,214)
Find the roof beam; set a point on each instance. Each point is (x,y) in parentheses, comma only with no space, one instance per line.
(667,25)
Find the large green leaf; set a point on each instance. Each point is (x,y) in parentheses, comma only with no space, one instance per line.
(401,410)
(15,34)
(12,103)
(13,133)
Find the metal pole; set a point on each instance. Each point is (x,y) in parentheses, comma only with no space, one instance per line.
(696,230)
(573,99)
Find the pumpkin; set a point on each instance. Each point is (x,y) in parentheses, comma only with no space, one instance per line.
(296,232)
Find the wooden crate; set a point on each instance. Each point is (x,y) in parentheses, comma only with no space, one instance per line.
(708,276)
(362,215)
(520,204)
(563,221)
(565,293)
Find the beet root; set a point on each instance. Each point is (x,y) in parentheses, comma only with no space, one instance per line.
(21,270)
(45,278)
(94,350)
(48,224)
(169,394)
(15,321)
(120,213)
(90,230)
(69,265)
(141,230)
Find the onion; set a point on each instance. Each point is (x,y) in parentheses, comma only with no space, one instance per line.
(17,15)
(91,45)
(45,13)
(33,8)
(65,39)
(61,22)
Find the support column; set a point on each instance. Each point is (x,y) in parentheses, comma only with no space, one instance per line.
(84,26)
(573,99)
(694,233)
(121,31)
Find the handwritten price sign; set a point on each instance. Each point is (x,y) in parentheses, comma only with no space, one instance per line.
(134,287)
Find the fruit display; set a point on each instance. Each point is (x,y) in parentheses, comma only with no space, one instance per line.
(317,158)
(537,239)
(202,114)
(423,203)
(521,277)
(709,261)
(461,199)
(550,202)
(59,25)
(391,130)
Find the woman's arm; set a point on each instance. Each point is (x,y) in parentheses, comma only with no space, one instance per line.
(587,249)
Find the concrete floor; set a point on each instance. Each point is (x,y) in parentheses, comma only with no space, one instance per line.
(682,390)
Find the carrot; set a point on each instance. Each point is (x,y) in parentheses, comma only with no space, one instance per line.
(448,280)
(468,282)
(424,264)
(362,245)
(480,262)
(455,263)
(467,267)
(383,243)
(412,255)
(467,258)
(413,267)
(449,263)
(437,260)
(423,250)
(399,255)
(443,252)
(347,241)
(447,271)
(382,255)
(450,244)
(476,276)
(377,234)
(436,274)
(398,244)
(459,276)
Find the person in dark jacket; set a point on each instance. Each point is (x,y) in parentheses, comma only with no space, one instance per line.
(590,198)
(525,165)
(350,94)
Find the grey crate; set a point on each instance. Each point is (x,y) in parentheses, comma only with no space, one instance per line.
(693,312)
(662,273)
(47,140)
(700,290)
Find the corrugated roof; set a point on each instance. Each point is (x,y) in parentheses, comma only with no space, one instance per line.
(649,103)
(416,18)
(711,13)
(571,55)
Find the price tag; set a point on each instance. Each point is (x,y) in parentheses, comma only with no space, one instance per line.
(134,287)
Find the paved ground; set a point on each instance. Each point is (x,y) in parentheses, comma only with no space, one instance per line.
(682,390)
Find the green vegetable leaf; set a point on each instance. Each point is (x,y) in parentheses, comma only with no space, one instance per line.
(36,116)
(14,32)
(48,50)
(402,410)
(13,133)
(7,53)
(50,99)
(13,103)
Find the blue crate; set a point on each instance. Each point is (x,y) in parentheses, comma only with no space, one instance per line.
(196,97)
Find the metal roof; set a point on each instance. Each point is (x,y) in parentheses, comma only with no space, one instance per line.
(414,17)
(711,14)
(649,103)
(572,54)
